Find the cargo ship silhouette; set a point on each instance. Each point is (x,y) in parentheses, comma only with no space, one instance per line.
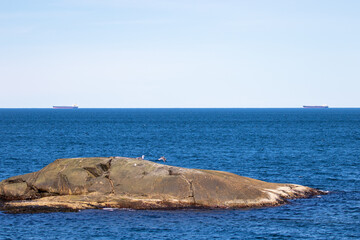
(66,107)
(321,106)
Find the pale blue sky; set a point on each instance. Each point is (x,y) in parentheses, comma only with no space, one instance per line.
(179,53)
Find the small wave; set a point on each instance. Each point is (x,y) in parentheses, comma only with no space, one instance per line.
(127,209)
(109,209)
(121,209)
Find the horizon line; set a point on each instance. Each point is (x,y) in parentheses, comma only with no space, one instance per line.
(170,108)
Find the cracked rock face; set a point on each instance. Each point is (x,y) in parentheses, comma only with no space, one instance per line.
(82,183)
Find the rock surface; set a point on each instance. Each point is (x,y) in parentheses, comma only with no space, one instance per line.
(119,182)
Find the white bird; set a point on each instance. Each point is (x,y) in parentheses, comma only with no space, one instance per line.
(162,159)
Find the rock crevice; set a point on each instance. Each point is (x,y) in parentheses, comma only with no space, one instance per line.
(191,188)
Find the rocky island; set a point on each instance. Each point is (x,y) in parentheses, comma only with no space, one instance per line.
(73,184)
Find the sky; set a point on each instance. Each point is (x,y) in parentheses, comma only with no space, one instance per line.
(179,54)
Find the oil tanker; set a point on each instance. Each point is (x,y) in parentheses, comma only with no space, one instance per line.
(321,106)
(66,107)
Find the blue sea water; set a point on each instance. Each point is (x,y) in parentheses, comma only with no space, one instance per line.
(319,148)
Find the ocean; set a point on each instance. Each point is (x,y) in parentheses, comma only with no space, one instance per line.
(319,148)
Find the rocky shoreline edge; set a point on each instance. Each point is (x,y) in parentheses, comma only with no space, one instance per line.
(75,184)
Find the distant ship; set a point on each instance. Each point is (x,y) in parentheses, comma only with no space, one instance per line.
(66,107)
(321,106)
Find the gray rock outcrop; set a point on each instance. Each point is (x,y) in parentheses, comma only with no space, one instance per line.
(119,182)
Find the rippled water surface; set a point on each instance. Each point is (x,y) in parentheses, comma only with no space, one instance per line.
(314,147)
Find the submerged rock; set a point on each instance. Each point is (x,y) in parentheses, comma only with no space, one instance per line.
(119,182)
